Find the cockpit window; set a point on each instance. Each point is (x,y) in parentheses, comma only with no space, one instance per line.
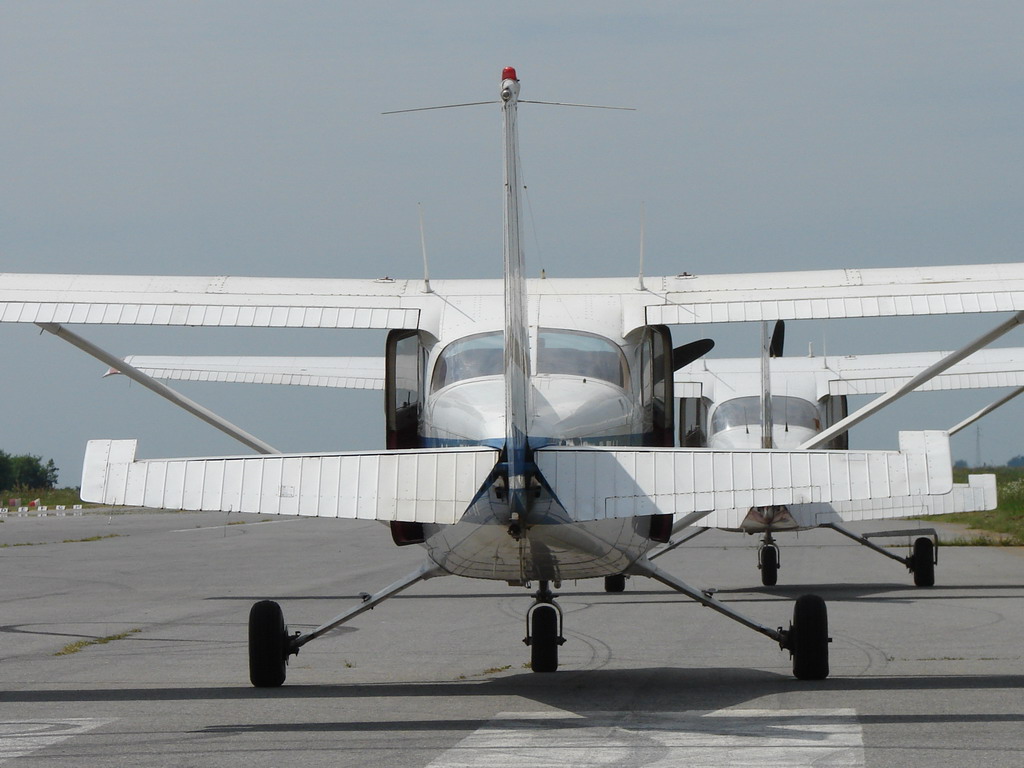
(469,358)
(570,353)
(580,354)
(744,411)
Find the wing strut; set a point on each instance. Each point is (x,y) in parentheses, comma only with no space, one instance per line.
(985,411)
(927,374)
(160,388)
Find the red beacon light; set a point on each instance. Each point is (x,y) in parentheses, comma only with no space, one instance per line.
(509,73)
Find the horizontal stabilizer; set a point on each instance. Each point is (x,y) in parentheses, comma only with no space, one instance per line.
(976,495)
(426,486)
(595,483)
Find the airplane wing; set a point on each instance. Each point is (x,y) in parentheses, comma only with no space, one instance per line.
(250,302)
(860,374)
(875,374)
(840,293)
(338,372)
(388,303)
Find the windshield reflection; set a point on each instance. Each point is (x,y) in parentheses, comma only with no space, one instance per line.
(572,353)
(746,411)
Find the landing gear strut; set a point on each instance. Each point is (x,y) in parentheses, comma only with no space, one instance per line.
(921,560)
(806,639)
(544,630)
(270,645)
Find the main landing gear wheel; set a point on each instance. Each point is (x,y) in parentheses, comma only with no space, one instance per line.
(922,562)
(544,640)
(808,638)
(268,645)
(615,583)
(769,565)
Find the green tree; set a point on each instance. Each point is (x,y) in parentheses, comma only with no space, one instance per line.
(26,472)
(6,478)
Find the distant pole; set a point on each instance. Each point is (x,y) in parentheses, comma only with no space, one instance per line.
(977,447)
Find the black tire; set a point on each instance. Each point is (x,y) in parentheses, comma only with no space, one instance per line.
(809,638)
(615,583)
(923,562)
(769,566)
(268,645)
(544,639)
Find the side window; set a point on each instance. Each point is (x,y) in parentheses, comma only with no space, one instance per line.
(836,409)
(403,389)
(693,420)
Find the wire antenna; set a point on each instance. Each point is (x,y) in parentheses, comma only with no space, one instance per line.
(524,101)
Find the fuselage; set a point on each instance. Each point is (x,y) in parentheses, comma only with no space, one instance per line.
(735,423)
(585,388)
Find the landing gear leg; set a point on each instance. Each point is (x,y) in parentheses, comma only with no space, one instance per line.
(807,638)
(768,561)
(270,645)
(920,561)
(544,630)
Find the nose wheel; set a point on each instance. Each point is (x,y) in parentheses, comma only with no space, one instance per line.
(544,631)
(768,561)
(615,583)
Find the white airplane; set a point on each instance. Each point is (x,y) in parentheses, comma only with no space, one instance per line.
(722,402)
(719,406)
(529,422)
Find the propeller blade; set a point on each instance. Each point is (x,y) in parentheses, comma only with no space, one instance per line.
(686,354)
(778,339)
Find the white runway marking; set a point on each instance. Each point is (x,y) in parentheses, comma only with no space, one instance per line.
(22,737)
(732,737)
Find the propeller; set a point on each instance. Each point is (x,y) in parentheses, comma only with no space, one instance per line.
(686,354)
(778,339)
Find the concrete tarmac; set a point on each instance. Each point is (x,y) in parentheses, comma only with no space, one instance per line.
(150,610)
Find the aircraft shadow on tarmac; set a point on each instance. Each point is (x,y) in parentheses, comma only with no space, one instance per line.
(663,689)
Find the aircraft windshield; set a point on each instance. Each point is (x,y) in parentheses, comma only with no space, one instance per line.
(786,411)
(572,353)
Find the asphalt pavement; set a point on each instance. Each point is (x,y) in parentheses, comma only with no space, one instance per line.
(123,642)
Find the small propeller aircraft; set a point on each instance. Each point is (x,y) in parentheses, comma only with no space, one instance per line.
(722,405)
(530,422)
(719,406)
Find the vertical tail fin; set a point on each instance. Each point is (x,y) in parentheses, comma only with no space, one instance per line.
(517,334)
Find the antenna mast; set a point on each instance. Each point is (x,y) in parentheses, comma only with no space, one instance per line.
(423,247)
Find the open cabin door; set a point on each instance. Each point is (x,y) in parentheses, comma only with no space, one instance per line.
(656,380)
(405,364)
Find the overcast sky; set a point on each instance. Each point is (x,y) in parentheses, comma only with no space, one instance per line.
(241,138)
